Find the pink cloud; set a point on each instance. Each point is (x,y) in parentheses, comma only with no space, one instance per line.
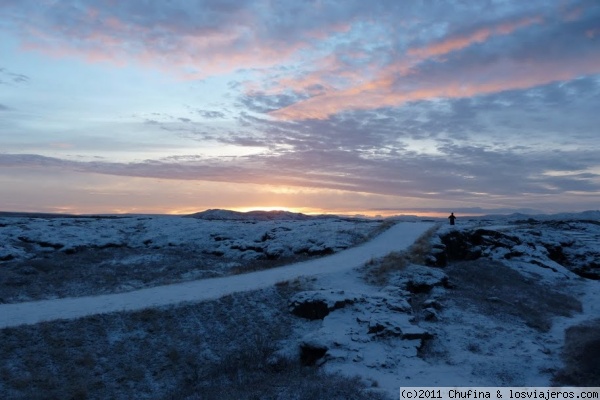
(460,41)
(572,14)
(162,44)
(371,86)
(388,90)
(517,64)
(592,33)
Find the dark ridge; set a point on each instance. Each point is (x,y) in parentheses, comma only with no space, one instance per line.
(218,214)
(11,214)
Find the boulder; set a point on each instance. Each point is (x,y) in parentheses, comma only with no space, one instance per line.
(438,257)
(470,245)
(398,325)
(430,314)
(419,278)
(317,304)
(312,352)
(9,252)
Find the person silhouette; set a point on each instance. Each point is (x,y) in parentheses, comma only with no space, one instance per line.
(451,218)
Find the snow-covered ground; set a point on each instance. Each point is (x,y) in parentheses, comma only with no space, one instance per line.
(493,316)
(483,303)
(230,238)
(399,237)
(53,257)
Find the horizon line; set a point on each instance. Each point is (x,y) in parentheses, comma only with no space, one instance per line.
(433,213)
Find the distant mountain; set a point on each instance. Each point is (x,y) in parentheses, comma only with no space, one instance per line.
(16,214)
(228,215)
(590,215)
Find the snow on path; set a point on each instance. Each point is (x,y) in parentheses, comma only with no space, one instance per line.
(397,238)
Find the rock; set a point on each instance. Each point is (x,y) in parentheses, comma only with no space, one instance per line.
(458,245)
(438,257)
(314,249)
(41,243)
(275,251)
(415,332)
(281,359)
(541,264)
(469,245)
(494,238)
(9,252)
(318,304)
(590,271)
(311,352)
(312,310)
(420,279)
(397,326)
(494,299)
(430,314)
(432,303)
(400,305)
(27,270)
(396,291)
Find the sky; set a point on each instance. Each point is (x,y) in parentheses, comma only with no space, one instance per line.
(337,106)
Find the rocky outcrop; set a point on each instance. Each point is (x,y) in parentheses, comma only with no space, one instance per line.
(419,278)
(571,245)
(589,270)
(317,304)
(350,323)
(469,245)
(438,256)
(400,326)
(8,252)
(312,352)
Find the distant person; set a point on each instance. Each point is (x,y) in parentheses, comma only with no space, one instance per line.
(452,218)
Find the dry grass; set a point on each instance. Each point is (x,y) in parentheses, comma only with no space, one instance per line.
(214,350)
(294,382)
(421,248)
(262,264)
(378,271)
(497,290)
(581,354)
(90,270)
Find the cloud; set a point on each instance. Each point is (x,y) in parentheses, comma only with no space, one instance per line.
(193,39)
(211,114)
(4,108)
(459,172)
(8,77)
(482,102)
(262,102)
(502,117)
(486,150)
(214,37)
(321,58)
(460,211)
(461,40)
(525,59)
